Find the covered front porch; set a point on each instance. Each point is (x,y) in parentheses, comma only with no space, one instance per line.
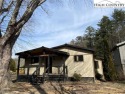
(42,64)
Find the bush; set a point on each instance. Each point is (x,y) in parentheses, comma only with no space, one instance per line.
(12,65)
(98,76)
(76,77)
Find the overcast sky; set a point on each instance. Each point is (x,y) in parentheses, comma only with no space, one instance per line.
(59,22)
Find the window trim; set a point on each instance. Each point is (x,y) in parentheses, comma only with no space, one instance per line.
(77,58)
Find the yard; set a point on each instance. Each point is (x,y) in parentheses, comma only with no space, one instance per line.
(68,88)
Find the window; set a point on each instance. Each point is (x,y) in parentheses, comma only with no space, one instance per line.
(34,60)
(78,58)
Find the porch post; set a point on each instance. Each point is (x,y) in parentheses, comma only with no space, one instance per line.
(64,71)
(39,64)
(58,70)
(48,64)
(28,68)
(18,67)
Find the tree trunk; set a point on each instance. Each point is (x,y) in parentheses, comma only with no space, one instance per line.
(12,33)
(5,55)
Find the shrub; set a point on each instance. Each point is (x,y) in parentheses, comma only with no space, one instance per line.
(98,76)
(76,77)
(12,65)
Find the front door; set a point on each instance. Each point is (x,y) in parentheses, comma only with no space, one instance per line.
(50,64)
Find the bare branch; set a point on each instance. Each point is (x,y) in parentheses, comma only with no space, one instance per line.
(3,18)
(2,10)
(41,1)
(45,10)
(29,11)
(14,29)
(16,11)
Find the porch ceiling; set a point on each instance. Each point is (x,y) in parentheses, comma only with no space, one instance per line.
(42,51)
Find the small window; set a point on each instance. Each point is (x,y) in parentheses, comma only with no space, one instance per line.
(34,60)
(78,58)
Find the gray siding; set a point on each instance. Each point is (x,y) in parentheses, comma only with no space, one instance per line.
(119,60)
(122,53)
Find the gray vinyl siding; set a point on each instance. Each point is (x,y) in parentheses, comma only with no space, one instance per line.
(122,54)
(119,60)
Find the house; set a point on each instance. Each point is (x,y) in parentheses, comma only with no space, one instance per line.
(119,58)
(60,62)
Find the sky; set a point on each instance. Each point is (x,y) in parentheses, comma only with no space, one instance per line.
(58,22)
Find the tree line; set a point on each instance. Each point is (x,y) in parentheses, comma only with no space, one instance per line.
(110,31)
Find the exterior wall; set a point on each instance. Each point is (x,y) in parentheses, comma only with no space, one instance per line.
(117,62)
(85,68)
(33,67)
(57,64)
(100,66)
(122,54)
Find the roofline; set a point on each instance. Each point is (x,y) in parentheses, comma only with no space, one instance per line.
(54,50)
(72,46)
(118,45)
(27,50)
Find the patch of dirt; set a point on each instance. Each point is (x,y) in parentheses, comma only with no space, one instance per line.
(68,88)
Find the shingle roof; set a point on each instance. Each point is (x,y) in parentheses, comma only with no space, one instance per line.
(72,46)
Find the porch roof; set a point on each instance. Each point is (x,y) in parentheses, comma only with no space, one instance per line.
(42,51)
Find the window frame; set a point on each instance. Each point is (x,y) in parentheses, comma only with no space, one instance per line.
(78,58)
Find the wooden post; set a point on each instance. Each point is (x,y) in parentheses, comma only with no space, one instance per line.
(28,68)
(48,64)
(39,64)
(18,67)
(64,71)
(58,70)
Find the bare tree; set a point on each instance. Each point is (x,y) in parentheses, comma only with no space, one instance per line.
(12,31)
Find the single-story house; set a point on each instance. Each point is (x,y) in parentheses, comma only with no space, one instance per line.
(119,58)
(59,62)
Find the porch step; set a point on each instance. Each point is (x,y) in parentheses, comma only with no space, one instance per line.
(55,77)
(51,77)
(37,80)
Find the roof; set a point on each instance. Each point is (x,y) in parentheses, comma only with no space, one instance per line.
(118,45)
(73,47)
(41,51)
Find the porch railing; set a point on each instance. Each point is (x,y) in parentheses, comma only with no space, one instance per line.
(34,76)
(37,78)
(44,74)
